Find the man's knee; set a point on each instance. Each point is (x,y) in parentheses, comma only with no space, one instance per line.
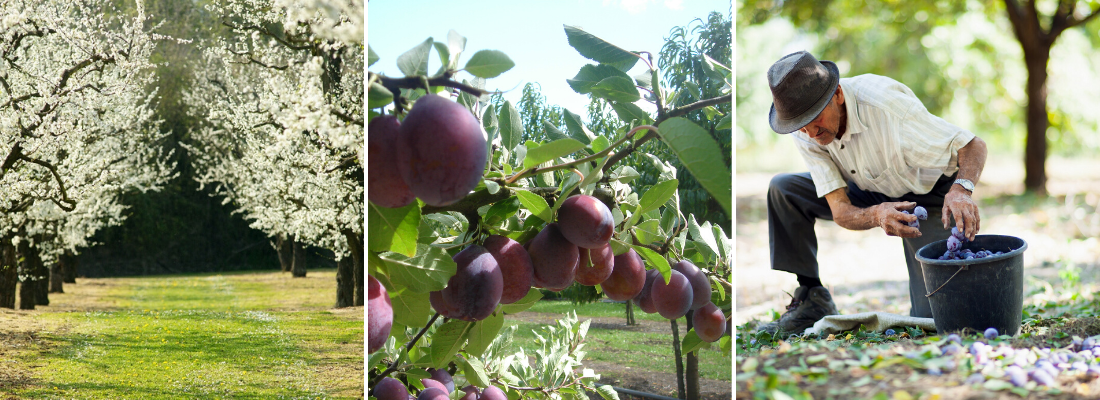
(783,183)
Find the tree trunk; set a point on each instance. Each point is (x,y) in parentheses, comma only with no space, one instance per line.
(1035,150)
(42,278)
(9,273)
(679,360)
(691,375)
(284,245)
(69,275)
(27,285)
(355,243)
(298,270)
(56,277)
(630,313)
(345,282)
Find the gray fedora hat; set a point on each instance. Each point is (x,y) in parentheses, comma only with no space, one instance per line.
(801,88)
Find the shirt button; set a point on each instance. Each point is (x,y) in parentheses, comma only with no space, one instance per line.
(853,171)
(842,147)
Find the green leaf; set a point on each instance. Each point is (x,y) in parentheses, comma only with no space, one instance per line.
(590,75)
(475,372)
(656,260)
(448,339)
(411,308)
(698,151)
(535,204)
(657,195)
(372,57)
(600,144)
(427,272)
(550,151)
(648,232)
(617,88)
(692,342)
(553,132)
(483,332)
(607,392)
(630,112)
(725,123)
(455,44)
(489,64)
(644,79)
(444,56)
(725,244)
(703,234)
(502,210)
(533,296)
(415,61)
(393,229)
(378,96)
(599,50)
(577,130)
(625,174)
(511,126)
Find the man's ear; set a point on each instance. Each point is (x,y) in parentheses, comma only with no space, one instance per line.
(839,94)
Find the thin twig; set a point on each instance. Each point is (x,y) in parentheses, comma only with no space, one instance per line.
(409,346)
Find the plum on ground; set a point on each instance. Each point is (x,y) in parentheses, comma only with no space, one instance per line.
(991,333)
(554,258)
(595,265)
(390,389)
(385,186)
(379,315)
(474,291)
(709,322)
(444,377)
(441,151)
(700,284)
(433,394)
(627,277)
(515,267)
(586,221)
(673,299)
(644,299)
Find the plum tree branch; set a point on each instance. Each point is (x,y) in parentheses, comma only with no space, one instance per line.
(594,157)
(676,112)
(408,346)
(481,198)
(415,82)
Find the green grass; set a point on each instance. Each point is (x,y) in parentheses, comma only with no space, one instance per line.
(202,336)
(637,350)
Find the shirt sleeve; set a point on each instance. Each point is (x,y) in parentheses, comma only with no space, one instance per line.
(927,141)
(824,171)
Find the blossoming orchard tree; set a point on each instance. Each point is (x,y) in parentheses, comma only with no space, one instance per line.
(282,97)
(76,130)
(467,220)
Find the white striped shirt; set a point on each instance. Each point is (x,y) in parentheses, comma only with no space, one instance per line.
(893,145)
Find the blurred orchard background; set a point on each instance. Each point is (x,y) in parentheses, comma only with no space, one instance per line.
(964,61)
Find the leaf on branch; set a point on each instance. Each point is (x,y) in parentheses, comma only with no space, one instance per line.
(617,89)
(600,143)
(692,343)
(501,210)
(411,308)
(372,57)
(577,130)
(590,75)
(415,61)
(483,332)
(444,56)
(599,50)
(475,371)
(393,229)
(703,234)
(550,151)
(448,339)
(535,204)
(656,260)
(631,113)
(427,272)
(533,296)
(607,392)
(657,196)
(378,96)
(700,153)
(489,64)
(553,132)
(725,123)
(455,44)
(511,126)
(644,79)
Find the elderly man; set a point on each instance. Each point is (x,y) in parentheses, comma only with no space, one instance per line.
(873,150)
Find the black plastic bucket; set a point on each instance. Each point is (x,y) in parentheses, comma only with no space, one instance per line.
(979,293)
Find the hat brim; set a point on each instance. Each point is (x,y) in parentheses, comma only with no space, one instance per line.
(785,126)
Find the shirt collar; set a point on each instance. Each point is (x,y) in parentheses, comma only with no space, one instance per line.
(852,109)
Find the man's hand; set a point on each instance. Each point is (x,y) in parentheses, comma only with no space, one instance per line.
(889,217)
(959,204)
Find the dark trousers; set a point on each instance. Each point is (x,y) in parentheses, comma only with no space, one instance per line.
(794,208)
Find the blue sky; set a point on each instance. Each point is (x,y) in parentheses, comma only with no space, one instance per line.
(530,33)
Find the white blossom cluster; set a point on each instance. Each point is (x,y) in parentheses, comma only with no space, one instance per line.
(283,112)
(76,120)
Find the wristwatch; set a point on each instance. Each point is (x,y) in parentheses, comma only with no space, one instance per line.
(966,184)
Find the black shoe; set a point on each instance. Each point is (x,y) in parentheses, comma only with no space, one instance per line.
(802,314)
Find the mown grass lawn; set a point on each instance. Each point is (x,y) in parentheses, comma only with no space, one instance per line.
(249,335)
(642,349)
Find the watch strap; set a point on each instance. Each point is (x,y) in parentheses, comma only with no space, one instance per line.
(966,184)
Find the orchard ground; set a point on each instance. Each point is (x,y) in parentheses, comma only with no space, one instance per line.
(637,357)
(255,335)
(865,272)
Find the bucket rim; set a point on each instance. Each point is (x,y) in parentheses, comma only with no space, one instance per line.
(932,261)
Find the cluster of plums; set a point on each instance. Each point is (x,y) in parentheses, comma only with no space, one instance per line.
(955,250)
(921,214)
(437,153)
(1020,366)
(438,387)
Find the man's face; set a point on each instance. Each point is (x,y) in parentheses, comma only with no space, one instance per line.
(824,128)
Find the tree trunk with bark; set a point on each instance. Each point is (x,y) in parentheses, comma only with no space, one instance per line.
(630,313)
(355,243)
(69,274)
(691,374)
(56,278)
(298,269)
(680,389)
(345,282)
(42,275)
(9,273)
(284,245)
(28,286)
